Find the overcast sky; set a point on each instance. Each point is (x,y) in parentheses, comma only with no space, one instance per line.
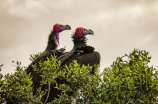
(119,26)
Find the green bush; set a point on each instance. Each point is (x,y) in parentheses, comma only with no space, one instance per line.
(131,80)
(127,81)
(16,88)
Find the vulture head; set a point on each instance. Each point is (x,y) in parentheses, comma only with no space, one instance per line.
(80,33)
(57,28)
(83,32)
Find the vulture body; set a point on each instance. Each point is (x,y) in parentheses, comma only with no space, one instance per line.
(81,52)
(53,41)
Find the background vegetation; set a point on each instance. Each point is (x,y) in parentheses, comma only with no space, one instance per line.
(129,80)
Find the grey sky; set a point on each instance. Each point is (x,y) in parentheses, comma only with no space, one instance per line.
(119,27)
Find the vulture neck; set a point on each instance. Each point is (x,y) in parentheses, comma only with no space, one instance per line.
(79,44)
(79,41)
(52,42)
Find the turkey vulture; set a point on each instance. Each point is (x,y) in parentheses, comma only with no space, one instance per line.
(53,41)
(81,52)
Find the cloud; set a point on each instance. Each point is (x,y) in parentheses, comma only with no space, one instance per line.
(33,8)
(24,8)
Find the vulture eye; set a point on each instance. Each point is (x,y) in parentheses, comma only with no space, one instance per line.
(60,26)
(85,30)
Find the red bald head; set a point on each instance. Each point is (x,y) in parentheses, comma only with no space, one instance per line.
(80,31)
(57,28)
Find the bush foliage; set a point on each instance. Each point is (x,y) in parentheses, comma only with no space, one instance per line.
(129,80)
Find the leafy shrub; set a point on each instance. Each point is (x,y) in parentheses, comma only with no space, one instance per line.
(127,81)
(131,80)
(16,88)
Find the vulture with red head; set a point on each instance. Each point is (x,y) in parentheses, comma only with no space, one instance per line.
(53,41)
(81,52)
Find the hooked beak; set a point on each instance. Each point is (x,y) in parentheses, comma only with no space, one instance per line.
(91,32)
(67,27)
